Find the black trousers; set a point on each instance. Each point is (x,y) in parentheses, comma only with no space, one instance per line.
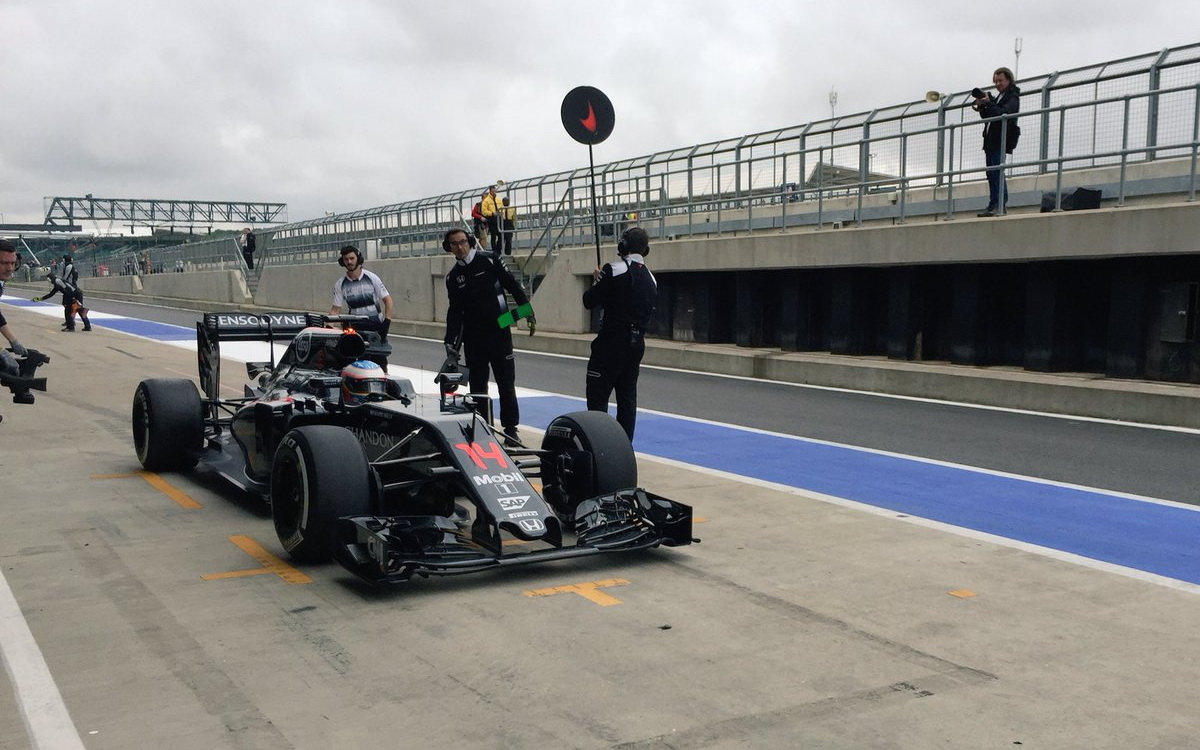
(69,302)
(493,224)
(494,351)
(614,364)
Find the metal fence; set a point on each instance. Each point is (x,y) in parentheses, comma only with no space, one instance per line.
(1134,110)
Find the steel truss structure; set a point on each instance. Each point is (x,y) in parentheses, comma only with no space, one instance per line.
(153,212)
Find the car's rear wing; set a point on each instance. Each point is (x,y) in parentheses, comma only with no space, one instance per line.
(216,327)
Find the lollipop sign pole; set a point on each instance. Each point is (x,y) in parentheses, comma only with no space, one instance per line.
(588,117)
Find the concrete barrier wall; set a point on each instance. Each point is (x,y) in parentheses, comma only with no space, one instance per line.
(118,284)
(416,286)
(216,286)
(1100,233)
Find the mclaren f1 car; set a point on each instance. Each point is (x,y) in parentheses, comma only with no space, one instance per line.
(358,466)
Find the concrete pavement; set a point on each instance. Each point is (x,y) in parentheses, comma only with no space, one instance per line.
(797,622)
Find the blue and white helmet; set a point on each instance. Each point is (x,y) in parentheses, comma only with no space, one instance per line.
(363,381)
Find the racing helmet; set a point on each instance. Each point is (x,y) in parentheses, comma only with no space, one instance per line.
(363,381)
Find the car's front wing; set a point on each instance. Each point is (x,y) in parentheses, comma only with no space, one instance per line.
(392,549)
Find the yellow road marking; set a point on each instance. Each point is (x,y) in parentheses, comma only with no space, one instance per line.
(590,591)
(962,593)
(154,480)
(270,564)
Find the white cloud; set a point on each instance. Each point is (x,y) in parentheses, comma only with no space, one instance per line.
(337,106)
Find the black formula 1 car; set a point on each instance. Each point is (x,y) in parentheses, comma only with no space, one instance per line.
(389,482)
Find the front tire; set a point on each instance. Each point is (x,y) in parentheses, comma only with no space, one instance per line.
(565,480)
(318,475)
(168,424)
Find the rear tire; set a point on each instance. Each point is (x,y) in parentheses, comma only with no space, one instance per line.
(614,466)
(168,424)
(318,475)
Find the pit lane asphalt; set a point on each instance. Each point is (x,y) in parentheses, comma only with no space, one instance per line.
(797,622)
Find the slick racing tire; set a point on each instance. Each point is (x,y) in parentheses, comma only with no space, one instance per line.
(168,424)
(319,474)
(613,465)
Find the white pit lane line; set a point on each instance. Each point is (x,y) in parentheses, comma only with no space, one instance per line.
(47,721)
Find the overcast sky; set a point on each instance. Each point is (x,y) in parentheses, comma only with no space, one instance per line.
(347,104)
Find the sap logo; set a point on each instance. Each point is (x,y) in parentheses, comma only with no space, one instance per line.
(523,514)
(482,479)
(513,503)
(531,524)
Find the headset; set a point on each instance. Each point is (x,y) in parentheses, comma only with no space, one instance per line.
(346,251)
(630,242)
(446,238)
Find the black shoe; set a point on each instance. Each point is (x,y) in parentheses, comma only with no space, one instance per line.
(66,329)
(87,326)
(23,398)
(989,212)
(512,438)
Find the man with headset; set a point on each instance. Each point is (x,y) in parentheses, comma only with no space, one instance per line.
(362,293)
(9,363)
(626,292)
(476,286)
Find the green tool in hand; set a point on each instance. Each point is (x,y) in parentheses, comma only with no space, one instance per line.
(509,317)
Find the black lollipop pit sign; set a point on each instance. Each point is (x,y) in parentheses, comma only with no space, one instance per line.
(588,117)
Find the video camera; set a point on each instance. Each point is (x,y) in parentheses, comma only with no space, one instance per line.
(23,382)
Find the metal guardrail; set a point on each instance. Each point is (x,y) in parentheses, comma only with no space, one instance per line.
(1137,109)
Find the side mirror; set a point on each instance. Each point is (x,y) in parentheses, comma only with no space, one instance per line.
(254,369)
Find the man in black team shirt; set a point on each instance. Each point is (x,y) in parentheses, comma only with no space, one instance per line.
(626,292)
(476,287)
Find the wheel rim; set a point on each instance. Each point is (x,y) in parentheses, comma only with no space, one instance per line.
(289,498)
(141,425)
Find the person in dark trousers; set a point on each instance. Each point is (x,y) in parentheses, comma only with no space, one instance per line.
(999,136)
(627,293)
(479,224)
(476,287)
(490,208)
(72,299)
(508,223)
(246,241)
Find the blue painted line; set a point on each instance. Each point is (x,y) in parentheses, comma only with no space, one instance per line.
(1156,538)
(148,329)
(145,328)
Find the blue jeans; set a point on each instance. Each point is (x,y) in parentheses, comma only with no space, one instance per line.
(997,189)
